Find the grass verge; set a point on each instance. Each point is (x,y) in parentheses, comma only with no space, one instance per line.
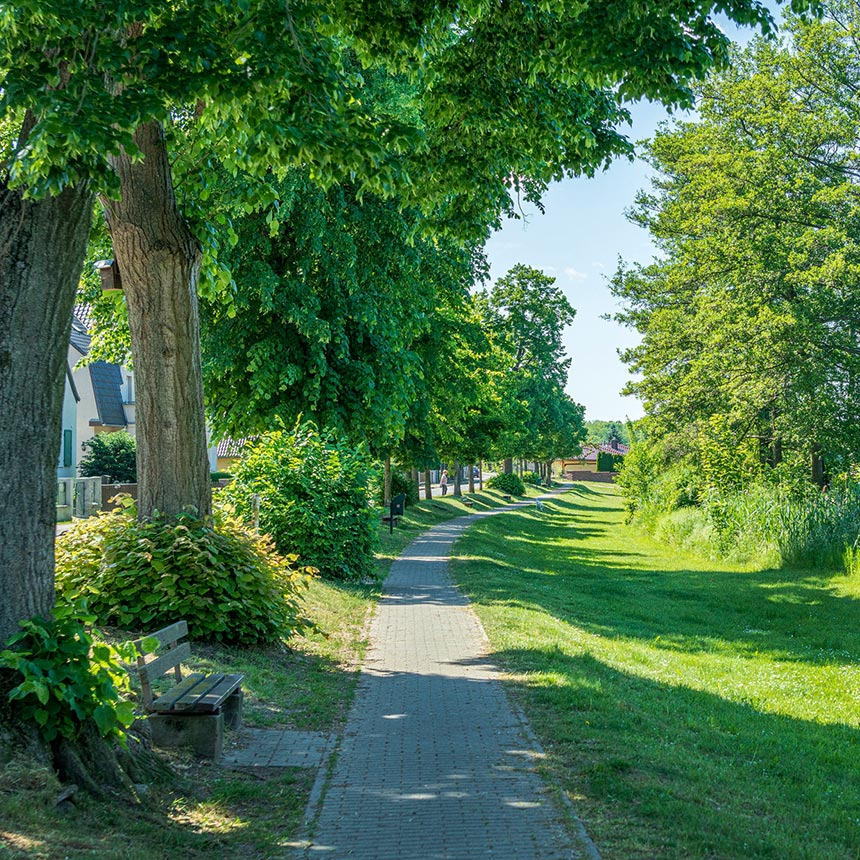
(214,811)
(691,710)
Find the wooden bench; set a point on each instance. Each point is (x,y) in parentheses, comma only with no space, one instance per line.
(467,501)
(395,511)
(194,711)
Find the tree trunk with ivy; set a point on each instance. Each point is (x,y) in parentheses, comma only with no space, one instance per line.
(43,244)
(159,263)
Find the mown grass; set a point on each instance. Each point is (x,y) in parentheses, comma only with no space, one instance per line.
(689,709)
(210,811)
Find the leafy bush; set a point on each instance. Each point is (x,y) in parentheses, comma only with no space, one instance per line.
(507,482)
(66,678)
(400,483)
(313,499)
(530,477)
(112,454)
(217,476)
(227,583)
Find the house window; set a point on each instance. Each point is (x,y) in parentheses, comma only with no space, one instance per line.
(67,448)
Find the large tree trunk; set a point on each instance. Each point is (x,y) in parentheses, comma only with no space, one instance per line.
(428,489)
(416,483)
(508,467)
(42,245)
(471,477)
(457,491)
(159,263)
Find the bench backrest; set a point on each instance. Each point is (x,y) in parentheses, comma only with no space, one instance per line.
(398,505)
(169,654)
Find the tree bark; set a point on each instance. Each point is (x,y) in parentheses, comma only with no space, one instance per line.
(159,263)
(509,466)
(42,246)
(416,483)
(481,476)
(816,464)
(471,477)
(428,489)
(386,481)
(457,491)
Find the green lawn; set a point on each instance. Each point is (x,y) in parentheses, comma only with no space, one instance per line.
(210,811)
(689,709)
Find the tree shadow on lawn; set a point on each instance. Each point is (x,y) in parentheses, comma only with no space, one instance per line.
(660,771)
(789,614)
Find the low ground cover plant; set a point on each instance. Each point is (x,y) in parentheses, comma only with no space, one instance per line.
(228,583)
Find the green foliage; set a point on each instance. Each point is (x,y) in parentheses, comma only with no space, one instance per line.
(313,499)
(507,482)
(228,583)
(112,454)
(401,482)
(66,677)
(603,432)
(607,462)
(530,477)
(217,476)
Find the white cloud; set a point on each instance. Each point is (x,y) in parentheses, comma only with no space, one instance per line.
(596,265)
(574,274)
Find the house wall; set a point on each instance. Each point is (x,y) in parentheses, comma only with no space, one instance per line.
(69,435)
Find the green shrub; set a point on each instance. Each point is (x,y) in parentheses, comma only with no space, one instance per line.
(112,454)
(530,477)
(66,678)
(400,483)
(227,583)
(217,476)
(507,482)
(313,499)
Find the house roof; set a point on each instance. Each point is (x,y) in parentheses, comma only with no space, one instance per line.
(79,337)
(590,452)
(230,447)
(107,388)
(106,378)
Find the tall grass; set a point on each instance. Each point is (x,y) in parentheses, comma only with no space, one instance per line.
(766,524)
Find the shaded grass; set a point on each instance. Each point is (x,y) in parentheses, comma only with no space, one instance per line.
(306,683)
(690,709)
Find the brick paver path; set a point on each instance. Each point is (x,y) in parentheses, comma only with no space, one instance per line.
(434,764)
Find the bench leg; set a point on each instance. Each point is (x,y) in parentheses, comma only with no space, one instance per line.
(232,710)
(203,733)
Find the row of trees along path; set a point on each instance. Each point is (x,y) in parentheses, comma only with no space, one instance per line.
(127,108)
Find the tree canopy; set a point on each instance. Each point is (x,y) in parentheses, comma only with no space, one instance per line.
(750,318)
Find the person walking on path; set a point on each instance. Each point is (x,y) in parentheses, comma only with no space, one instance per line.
(443,482)
(434,764)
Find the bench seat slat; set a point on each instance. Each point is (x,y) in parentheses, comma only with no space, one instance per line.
(167,701)
(198,694)
(218,693)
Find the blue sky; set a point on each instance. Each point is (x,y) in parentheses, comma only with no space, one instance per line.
(578,241)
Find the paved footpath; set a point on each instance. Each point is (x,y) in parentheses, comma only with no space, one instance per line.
(434,764)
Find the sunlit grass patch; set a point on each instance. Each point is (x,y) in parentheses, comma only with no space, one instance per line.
(695,710)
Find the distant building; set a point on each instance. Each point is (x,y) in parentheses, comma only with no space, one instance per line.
(99,397)
(587,461)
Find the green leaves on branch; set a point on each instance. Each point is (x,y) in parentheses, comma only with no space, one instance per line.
(313,499)
(228,583)
(67,678)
